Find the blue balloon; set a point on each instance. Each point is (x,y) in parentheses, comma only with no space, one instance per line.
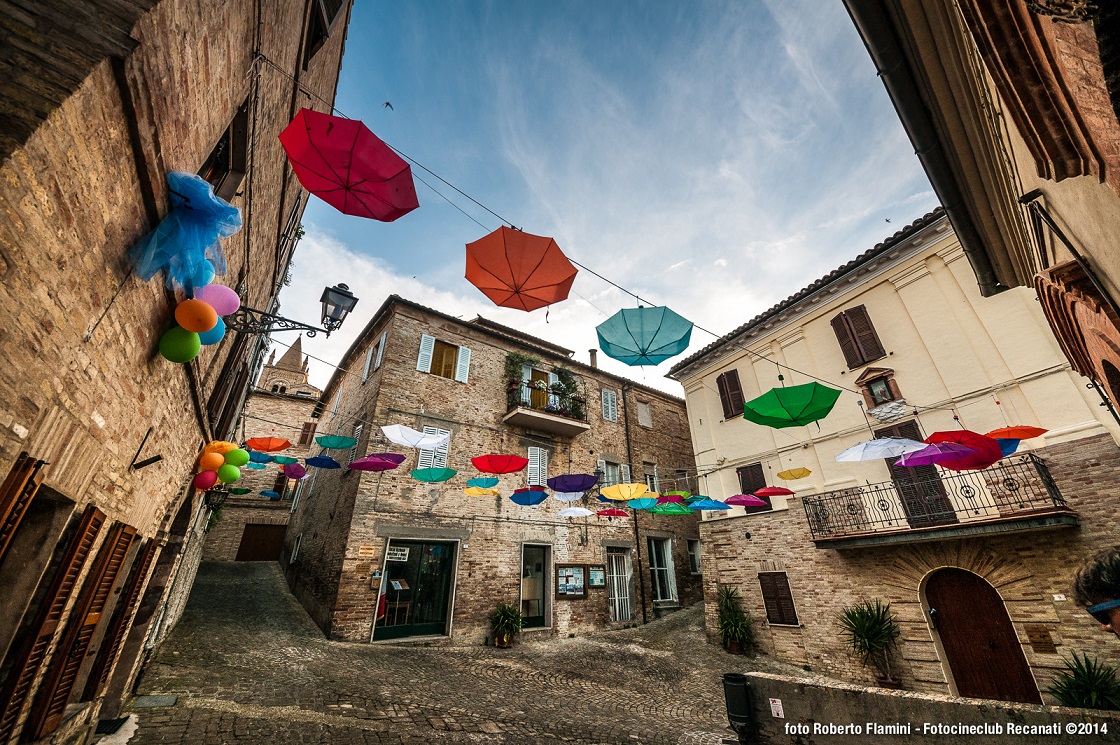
(204,275)
(214,335)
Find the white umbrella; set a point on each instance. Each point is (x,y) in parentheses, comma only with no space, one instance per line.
(575,512)
(410,438)
(567,496)
(884,447)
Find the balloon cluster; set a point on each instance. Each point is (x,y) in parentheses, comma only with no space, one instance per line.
(220,461)
(198,322)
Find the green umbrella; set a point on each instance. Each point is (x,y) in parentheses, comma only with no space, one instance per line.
(794,406)
(671,508)
(433,475)
(284,460)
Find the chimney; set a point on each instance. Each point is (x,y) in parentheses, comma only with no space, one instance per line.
(594,357)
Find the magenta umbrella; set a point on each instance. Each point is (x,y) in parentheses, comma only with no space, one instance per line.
(746,500)
(370,463)
(937,453)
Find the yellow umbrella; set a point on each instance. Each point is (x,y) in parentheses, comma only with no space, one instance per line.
(793,474)
(624,492)
(478,491)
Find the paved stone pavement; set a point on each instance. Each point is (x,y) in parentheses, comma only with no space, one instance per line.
(248,665)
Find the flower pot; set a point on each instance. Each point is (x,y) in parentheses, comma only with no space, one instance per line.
(734,646)
(503,641)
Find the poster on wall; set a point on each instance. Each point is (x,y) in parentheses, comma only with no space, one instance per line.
(571,581)
(596,576)
(397,553)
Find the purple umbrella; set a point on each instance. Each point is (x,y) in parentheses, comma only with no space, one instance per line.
(369,463)
(746,500)
(391,457)
(940,452)
(570,482)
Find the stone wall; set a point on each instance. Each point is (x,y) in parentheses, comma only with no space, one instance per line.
(224,536)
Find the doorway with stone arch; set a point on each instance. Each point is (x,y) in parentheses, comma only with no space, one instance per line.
(978,644)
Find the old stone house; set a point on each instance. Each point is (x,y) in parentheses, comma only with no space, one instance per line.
(976,565)
(381,555)
(100,531)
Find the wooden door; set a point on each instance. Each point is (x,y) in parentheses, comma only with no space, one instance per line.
(984,655)
(261,543)
(919,487)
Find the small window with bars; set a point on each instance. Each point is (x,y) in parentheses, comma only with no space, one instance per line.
(778,598)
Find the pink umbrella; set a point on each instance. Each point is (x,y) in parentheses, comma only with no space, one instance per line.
(772,491)
(746,500)
(372,464)
(937,453)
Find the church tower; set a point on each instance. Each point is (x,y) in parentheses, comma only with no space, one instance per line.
(288,375)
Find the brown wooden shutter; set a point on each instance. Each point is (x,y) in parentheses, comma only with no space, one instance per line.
(30,659)
(332,11)
(16,493)
(847,341)
(111,645)
(730,394)
(54,693)
(870,348)
(777,597)
(307,433)
(280,484)
(751,477)
(769,596)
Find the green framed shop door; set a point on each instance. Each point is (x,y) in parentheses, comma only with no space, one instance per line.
(416,589)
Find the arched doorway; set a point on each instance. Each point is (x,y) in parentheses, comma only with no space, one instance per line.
(977,639)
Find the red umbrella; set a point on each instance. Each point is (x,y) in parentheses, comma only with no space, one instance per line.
(613,512)
(772,491)
(495,463)
(267,444)
(987,449)
(344,164)
(519,270)
(1022,432)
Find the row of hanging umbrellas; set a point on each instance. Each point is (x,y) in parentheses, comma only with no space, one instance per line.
(957,450)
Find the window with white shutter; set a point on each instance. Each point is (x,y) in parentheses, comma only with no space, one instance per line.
(538,466)
(380,350)
(652,481)
(434,458)
(610,405)
(357,443)
(369,361)
(624,473)
(443,359)
(463,364)
(424,358)
(645,415)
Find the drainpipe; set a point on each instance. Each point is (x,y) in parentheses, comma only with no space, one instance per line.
(637,535)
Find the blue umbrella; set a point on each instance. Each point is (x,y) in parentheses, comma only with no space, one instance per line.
(322,461)
(270,494)
(529,497)
(644,336)
(255,457)
(708,504)
(483,482)
(254,466)
(1007,445)
(642,503)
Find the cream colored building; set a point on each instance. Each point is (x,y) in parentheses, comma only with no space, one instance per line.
(903,331)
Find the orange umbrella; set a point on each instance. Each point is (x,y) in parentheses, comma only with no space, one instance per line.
(519,270)
(267,444)
(1022,432)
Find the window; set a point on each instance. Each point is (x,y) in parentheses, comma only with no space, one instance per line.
(857,337)
(778,599)
(645,415)
(303,394)
(538,466)
(434,458)
(357,443)
(296,494)
(446,360)
(694,556)
(369,362)
(650,470)
(280,485)
(663,581)
(614,473)
(307,433)
(225,167)
(730,394)
(878,386)
(295,549)
(373,356)
(610,405)
(324,16)
(751,479)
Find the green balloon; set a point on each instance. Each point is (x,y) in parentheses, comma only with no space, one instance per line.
(179,345)
(227,474)
(237,457)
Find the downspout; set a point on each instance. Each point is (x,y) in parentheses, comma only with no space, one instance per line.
(637,535)
(872,20)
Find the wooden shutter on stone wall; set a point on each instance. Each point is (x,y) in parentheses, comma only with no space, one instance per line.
(114,637)
(30,659)
(16,494)
(777,597)
(751,479)
(58,684)
(730,394)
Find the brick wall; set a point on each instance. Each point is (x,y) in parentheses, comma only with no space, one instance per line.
(224,536)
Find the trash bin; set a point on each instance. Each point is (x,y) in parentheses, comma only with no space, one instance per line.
(737,696)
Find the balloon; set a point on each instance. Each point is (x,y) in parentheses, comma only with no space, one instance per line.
(214,335)
(219,446)
(237,457)
(221,298)
(205,479)
(179,345)
(228,474)
(211,461)
(204,275)
(196,316)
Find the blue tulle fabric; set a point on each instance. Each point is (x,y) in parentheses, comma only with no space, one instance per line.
(185,244)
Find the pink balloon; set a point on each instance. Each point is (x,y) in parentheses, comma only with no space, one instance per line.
(205,479)
(221,298)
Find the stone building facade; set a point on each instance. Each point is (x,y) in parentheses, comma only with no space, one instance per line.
(976,565)
(426,559)
(99,528)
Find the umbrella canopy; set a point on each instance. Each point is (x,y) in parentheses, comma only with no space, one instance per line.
(370,463)
(255,466)
(433,475)
(519,270)
(794,406)
(570,482)
(937,453)
(284,459)
(391,457)
(793,474)
(575,512)
(336,442)
(478,491)
(255,457)
(567,496)
(483,482)
(322,461)
(670,508)
(528,497)
(673,497)
(348,167)
(1007,445)
(494,463)
(772,491)
(295,471)
(1021,432)
(612,512)
(641,503)
(883,447)
(239,490)
(270,494)
(410,438)
(987,449)
(644,336)
(267,444)
(623,492)
(708,504)
(746,500)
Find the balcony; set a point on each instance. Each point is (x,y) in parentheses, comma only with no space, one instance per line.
(1013,496)
(540,409)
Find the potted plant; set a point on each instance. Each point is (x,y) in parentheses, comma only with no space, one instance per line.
(1087,683)
(505,622)
(736,627)
(870,632)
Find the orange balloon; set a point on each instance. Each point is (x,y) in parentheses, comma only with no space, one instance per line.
(211,461)
(196,315)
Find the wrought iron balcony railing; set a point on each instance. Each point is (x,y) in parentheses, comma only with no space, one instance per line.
(1016,487)
(546,399)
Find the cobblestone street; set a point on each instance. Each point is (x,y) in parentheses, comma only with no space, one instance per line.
(248,665)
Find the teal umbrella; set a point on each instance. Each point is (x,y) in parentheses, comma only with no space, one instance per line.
(670,508)
(794,406)
(433,475)
(642,503)
(335,442)
(644,336)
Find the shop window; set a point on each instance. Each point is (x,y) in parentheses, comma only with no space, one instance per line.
(443,359)
(730,394)
(227,163)
(751,479)
(856,335)
(778,599)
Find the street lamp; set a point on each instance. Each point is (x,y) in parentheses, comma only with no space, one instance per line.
(337,302)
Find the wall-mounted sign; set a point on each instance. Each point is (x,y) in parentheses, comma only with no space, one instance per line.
(571,581)
(366,552)
(596,576)
(397,553)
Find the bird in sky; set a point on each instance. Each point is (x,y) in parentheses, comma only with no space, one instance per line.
(388,105)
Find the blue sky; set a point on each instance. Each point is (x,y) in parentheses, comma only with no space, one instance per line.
(713,156)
